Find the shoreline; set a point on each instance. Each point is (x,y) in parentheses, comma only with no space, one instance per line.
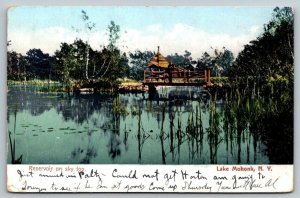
(134,87)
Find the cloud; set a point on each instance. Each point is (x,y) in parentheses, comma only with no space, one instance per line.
(254,29)
(47,39)
(177,39)
(183,37)
(154,28)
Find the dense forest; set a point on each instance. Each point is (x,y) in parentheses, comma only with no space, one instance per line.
(269,55)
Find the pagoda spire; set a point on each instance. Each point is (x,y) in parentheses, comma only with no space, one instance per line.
(158,60)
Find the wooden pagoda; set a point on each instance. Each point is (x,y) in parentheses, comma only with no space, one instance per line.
(160,71)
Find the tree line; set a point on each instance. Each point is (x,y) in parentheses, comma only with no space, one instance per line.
(109,63)
(271,54)
(70,63)
(74,61)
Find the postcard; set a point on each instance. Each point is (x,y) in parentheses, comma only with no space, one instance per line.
(150,99)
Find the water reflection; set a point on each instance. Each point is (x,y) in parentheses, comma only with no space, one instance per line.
(173,126)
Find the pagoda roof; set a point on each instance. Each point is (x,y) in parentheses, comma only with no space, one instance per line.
(158,61)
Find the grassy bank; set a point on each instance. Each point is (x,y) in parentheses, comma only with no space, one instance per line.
(31,82)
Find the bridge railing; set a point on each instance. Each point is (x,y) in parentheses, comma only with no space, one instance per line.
(177,76)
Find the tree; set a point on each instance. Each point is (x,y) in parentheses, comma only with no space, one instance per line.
(108,64)
(219,63)
(65,61)
(114,35)
(16,66)
(71,61)
(115,62)
(87,30)
(89,27)
(12,64)
(271,55)
(183,61)
(206,61)
(139,61)
(39,63)
(223,61)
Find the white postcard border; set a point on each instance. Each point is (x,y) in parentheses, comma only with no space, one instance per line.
(150,178)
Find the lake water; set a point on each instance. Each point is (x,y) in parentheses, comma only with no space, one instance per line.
(57,128)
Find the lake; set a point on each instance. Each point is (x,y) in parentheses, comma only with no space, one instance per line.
(176,125)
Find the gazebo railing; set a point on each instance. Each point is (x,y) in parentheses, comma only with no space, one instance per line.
(177,76)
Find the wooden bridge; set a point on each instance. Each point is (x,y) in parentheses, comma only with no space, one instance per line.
(161,72)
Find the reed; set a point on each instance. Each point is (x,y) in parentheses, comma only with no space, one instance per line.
(161,136)
(12,142)
(119,107)
(139,136)
(171,116)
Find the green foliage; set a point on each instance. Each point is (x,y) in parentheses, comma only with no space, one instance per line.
(41,64)
(183,61)
(88,24)
(269,62)
(139,61)
(105,64)
(73,63)
(16,66)
(220,63)
(114,34)
(35,64)
(117,62)
(206,61)
(119,107)
(223,61)
(265,109)
(271,54)
(70,61)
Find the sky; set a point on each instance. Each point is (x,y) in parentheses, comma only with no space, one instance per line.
(174,29)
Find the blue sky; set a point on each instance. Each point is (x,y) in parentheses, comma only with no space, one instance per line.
(175,29)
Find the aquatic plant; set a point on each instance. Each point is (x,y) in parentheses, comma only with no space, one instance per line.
(119,107)
(13,143)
